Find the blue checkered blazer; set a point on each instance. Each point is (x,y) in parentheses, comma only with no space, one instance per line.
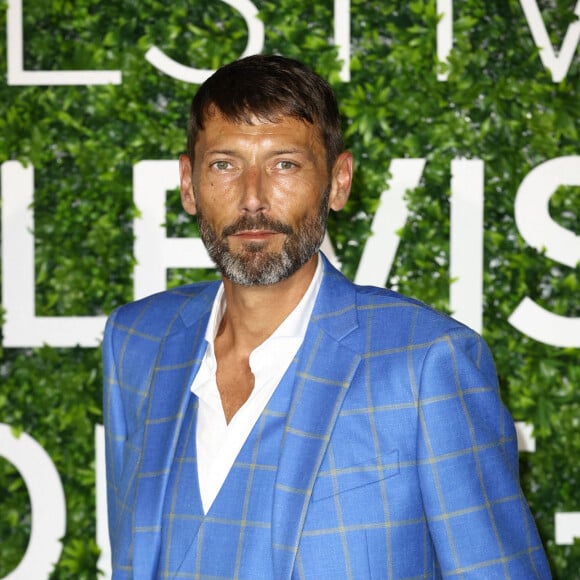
(397,460)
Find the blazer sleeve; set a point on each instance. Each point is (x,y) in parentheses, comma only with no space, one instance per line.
(115,430)
(478,518)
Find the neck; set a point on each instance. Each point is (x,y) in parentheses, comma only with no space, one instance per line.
(254,312)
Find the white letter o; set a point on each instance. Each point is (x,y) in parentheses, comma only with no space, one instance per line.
(197,75)
(46,501)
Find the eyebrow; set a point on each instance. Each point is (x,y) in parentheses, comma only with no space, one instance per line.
(275,152)
(220,152)
(288,151)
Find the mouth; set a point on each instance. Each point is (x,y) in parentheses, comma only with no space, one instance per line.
(255,235)
(257,229)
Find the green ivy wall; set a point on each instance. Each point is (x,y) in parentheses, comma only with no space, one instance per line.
(499,105)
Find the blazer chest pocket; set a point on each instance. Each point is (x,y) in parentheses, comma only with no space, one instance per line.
(336,480)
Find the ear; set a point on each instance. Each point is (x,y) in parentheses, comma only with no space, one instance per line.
(186,185)
(340,181)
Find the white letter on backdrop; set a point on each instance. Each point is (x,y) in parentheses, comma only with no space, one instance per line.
(525,435)
(567,527)
(381,247)
(444,33)
(342,36)
(541,232)
(15,66)
(104,563)
(22,328)
(154,251)
(558,65)
(197,75)
(466,242)
(47,504)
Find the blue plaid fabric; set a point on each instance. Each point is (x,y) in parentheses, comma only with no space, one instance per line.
(234,539)
(396,457)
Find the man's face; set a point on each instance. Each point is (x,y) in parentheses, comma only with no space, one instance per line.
(261,193)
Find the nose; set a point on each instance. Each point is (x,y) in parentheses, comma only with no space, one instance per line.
(254,198)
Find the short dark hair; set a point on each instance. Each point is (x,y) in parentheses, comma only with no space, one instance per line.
(267,87)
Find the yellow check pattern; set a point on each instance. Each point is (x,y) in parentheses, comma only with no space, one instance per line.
(386,451)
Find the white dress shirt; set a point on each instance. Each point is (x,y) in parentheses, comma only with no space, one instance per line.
(218,443)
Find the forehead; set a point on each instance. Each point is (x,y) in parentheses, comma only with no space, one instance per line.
(279,129)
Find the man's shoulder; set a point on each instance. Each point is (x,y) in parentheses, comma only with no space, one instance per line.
(391,309)
(160,309)
(384,307)
(388,298)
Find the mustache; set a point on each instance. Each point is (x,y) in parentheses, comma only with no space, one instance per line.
(259,222)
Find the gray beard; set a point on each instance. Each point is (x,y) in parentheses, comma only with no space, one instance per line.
(254,266)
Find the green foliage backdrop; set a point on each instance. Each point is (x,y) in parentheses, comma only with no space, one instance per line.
(499,104)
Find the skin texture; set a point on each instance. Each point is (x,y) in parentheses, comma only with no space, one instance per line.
(261,192)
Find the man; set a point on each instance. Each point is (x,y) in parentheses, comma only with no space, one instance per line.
(285,423)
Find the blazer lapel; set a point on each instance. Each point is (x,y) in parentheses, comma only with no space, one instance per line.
(178,361)
(323,376)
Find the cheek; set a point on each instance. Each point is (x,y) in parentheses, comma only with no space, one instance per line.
(217,190)
(299,199)
(294,192)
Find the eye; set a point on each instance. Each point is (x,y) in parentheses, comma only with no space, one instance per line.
(221,165)
(285,165)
